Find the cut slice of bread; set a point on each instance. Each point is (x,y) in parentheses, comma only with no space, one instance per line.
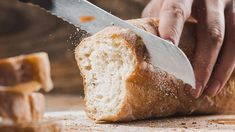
(26,68)
(21,107)
(20,79)
(121,85)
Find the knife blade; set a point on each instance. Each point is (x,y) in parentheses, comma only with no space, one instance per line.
(163,54)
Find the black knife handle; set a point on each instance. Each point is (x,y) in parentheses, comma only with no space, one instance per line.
(47,4)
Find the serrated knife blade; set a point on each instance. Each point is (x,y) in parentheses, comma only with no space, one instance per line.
(163,54)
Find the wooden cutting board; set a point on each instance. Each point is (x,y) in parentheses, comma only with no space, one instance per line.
(69,113)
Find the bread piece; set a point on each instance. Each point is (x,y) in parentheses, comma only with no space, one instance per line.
(121,85)
(26,68)
(19,107)
(20,79)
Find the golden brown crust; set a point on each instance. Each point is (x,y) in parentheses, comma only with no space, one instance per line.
(151,92)
(37,105)
(26,68)
(20,104)
(20,77)
(21,107)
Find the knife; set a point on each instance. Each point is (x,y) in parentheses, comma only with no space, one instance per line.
(163,54)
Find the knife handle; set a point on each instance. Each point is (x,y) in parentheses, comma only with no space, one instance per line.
(47,4)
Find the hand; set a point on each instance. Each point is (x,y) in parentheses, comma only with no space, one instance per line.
(214,59)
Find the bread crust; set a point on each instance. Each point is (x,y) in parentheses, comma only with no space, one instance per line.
(26,68)
(20,79)
(20,107)
(150,91)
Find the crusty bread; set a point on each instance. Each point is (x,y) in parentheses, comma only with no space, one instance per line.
(20,79)
(20,107)
(25,68)
(121,85)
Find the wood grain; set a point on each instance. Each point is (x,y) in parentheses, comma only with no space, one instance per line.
(126,9)
(71,115)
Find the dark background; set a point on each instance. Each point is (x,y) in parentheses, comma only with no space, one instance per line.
(27,29)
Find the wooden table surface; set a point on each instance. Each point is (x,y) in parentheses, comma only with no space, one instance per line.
(68,110)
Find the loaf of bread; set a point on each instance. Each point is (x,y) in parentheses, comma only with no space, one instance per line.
(121,85)
(20,79)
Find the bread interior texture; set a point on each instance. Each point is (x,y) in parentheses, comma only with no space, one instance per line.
(106,63)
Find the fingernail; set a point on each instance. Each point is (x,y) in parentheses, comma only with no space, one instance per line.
(213,88)
(197,92)
(169,39)
(220,89)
